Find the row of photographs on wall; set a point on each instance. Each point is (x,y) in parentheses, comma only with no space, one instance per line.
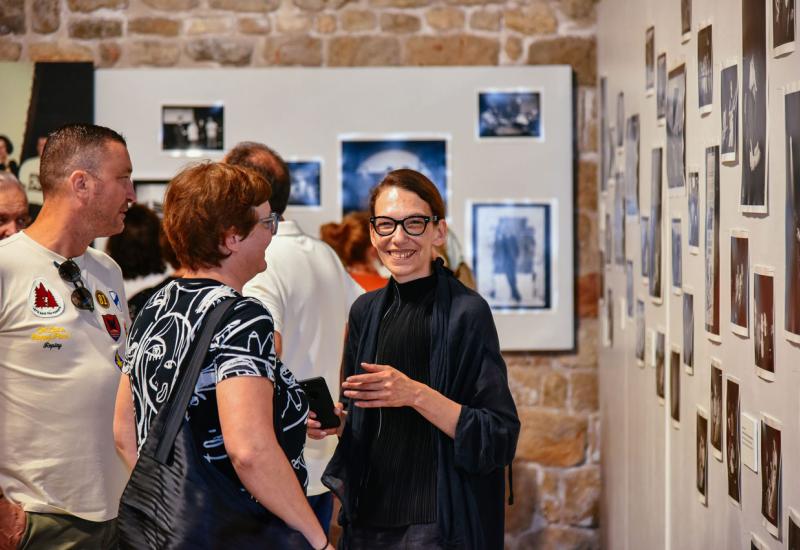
(192,129)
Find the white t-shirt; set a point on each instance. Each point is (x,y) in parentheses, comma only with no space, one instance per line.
(59,371)
(309,294)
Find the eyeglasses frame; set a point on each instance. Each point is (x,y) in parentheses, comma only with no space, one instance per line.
(402,222)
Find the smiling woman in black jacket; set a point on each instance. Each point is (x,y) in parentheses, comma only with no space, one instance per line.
(432,424)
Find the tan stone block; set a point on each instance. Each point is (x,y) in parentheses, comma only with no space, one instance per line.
(554,537)
(400,23)
(154,25)
(587,185)
(588,295)
(172,5)
(445,18)
(9,51)
(87,6)
(551,439)
(358,20)
(245,5)
(399,3)
(46,16)
(519,517)
(473,2)
(517,359)
(319,5)
(584,391)
(87,29)
(554,391)
(579,9)
(582,496)
(110,52)
(485,20)
(254,25)
(357,51)
(293,50)
(225,51)
(12,17)
(152,53)
(52,51)
(534,19)
(588,245)
(525,383)
(293,22)
(208,25)
(579,52)
(550,496)
(513,48)
(452,50)
(325,23)
(588,342)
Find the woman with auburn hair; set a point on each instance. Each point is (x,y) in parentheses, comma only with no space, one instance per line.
(350,240)
(247,412)
(431,423)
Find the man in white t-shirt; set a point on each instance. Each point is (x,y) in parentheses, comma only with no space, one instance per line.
(63,318)
(309,294)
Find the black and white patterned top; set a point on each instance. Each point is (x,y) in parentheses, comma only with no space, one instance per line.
(243,345)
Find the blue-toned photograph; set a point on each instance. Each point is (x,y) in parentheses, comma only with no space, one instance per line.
(366,161)
(509,114)
(305,177)
(511,254)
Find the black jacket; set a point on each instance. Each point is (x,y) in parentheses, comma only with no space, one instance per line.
(466,366)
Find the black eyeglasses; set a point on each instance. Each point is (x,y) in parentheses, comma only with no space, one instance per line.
(81,297)
(270,222)
(413,225)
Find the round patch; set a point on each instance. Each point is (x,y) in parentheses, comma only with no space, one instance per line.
(44,300)
(102,299)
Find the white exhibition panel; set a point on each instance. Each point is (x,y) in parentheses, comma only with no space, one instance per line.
(303,114)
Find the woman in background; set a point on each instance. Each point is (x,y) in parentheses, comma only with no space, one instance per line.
(350,240)
(6,163)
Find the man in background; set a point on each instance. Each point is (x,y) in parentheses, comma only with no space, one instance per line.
(13,206)
(309,294)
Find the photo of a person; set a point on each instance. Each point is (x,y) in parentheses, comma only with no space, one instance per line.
(754,107)
(620,119)
(509,114)
(654,253)
(644,230)
(605,153)
(732,438)
(688,331)
(629,288)
(716,409)
(694,212)
(191,129)
(676,138)
(661,88)
(305,182)
(771,474)
(640,321)
(783,26)
(740,282)
(729,100)
(660,358)
(677,257)
(686,19)
(702,456)
(705,69)
(619,218)
(764,321)
(712,285)
(675,385)
(649,60)
(632,166)
(792,217)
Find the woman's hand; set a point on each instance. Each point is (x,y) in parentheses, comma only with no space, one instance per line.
(313,427)
(382,386)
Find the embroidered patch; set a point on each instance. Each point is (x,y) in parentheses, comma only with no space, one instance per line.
(102,299)
(118,360)
(44,300)
(112,326)
(42,334)
(115,299)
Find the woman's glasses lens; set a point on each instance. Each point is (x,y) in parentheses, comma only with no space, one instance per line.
(413,225)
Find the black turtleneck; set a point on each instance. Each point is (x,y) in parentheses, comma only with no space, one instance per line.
(400,486)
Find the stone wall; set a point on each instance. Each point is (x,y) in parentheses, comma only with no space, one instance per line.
(557,481)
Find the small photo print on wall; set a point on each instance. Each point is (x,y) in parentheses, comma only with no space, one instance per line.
(754,107)
(632,166)
(191,130)
(511,253)
(644,230)
(619,219)
(605,154)
(688,330)
(649,60)
(620,119)
(733,457)
(660,367)
(640,321)
(756,543)
(705,70)
(771,475)
(794,529)
(608,335)
(365,161)
(305,187)
(510,114)
(792,235)
(783,27)
(675,385)
(686,20)
(716,408)
(654,252)
(676,135)
(629,288)
(150,193)
(661,89)
(702,456)
(740,282)
(677,257)
(764,321)
(712,317)
(729,100)
(694,212)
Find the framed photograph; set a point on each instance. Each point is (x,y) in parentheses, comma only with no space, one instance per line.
(677,256)
(764,321)
(716,408)
(661,89)
(150,193)
(629,288)
(732,442)
(620,119)
(608,250)
(756,543)
(660,367)
(705,70)
(640,322)
(675,385)
(754,107)
(305,188)
(702,456)
(510,114)
(644,230)
(193,129)
(606,147)
(688,329)
(729,105)
(712,286)
(511,253)
(676,131)
(654,253)
(783,27)
(366,160)
(632,166)
(619,219)
(608,309)
(794,529)
(792,235)
(694,212)
(686,20)
(740,282)
(650,61)
(771,475)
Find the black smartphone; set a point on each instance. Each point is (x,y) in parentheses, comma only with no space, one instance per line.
(320,401)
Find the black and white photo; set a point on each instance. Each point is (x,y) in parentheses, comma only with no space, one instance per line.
(764,321)
(705,70)
(740,282)
(305,188)
(702,455)
(716,409)
(771,474)
(675,385)
(676,130)
(729,102)
(688,330)
(783,27)
(794,529)
(644,230)
(620,119)
(732,455)
(661,88)
(694,212)
(608,253)
(511,254)
(609,317)
(650,60)
(792,235)
(677,256)
(655,252)
(606,150)
(712,285)
(640,322)
(509,114)
(754,107)
(629,288)
(660,367)
(619,218)
(193,128)
(150,193)
(632,166)
(686,20)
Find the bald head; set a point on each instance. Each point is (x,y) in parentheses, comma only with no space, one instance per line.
(13,206)
(269,165)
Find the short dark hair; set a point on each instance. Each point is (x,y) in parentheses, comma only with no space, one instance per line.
(73,147)
(269,165)
(9,145)
(413,181)
(137,249)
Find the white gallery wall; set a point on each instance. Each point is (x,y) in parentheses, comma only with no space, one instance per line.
(650,467)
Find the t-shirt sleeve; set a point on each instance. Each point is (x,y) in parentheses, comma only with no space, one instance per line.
(244,344)
(268,288)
